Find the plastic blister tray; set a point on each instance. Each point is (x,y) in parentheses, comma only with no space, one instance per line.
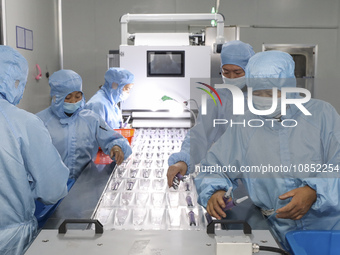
(137,196)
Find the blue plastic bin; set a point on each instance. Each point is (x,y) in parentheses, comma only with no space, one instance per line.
(43,212)
(314,242)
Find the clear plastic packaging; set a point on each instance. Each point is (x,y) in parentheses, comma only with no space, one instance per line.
(137,196)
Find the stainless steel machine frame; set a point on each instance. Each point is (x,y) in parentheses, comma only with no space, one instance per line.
(305,57)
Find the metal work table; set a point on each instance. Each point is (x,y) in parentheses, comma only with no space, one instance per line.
(83,196)
(81,201)
(86,197)
(85,193)
(129,242)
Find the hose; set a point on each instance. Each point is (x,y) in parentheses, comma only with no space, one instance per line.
(273,249)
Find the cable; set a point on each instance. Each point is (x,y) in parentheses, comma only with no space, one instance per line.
(273,249)
(186,101)
(194,115)
(217,5)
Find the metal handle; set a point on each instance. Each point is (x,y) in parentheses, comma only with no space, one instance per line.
(98,226)
(211,225)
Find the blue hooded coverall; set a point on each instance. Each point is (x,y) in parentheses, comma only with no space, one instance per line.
(105,101)
(313,142)
(30,166)
(77,137)
(200,137)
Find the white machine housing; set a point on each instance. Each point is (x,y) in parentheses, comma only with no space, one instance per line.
(195,63)
(148,91)
(234,245)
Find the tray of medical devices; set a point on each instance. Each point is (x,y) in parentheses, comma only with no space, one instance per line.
(137,195)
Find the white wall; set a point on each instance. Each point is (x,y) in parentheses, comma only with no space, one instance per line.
(91,29)
(41,17)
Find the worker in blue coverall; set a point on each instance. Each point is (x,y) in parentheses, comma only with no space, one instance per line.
(304,199)
(30,165)
(117,86)
(76,132)
(234,58)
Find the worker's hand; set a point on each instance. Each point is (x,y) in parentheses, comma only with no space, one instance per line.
(302,199)
(117,152)
(179,167)
(215,205)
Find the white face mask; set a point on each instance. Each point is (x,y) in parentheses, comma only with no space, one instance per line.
(123,96)
(72,107)
(265,103)
(238,82)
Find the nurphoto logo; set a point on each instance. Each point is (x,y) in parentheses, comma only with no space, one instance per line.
(238,103)
(238,100)
(208,92)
